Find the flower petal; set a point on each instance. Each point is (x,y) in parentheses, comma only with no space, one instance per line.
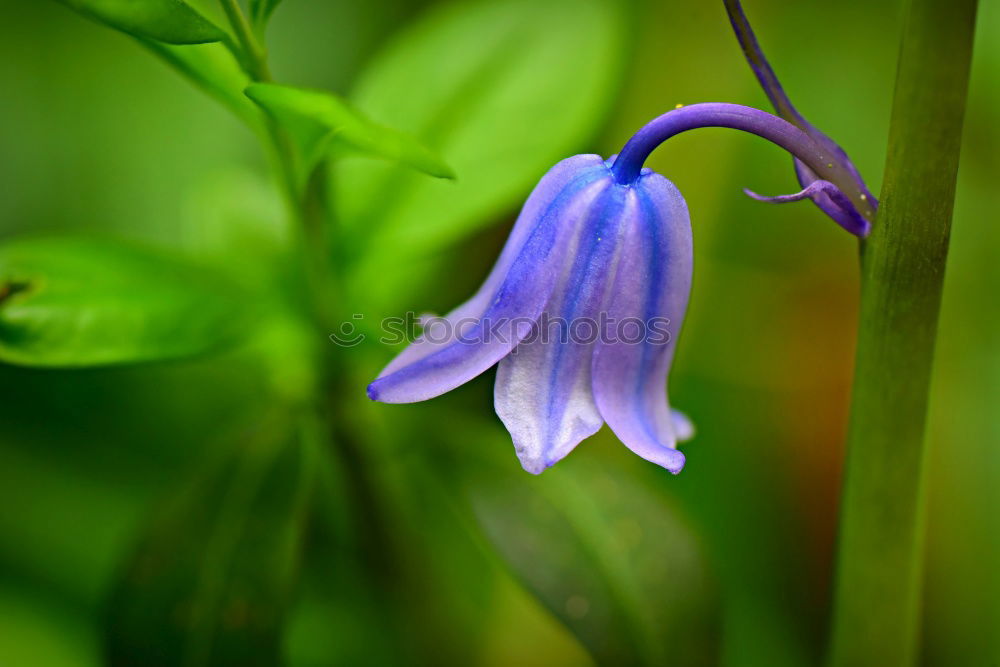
(827,197)
(574,172)
(785,109)
(684,428)
(543,391)
(652,280)
(487,327)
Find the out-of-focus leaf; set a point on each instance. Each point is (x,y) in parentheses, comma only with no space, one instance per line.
(170,21)
(260,11)
(503,90)
(608,555)
(318,120)
(212,578)
(70,301)
(234,217)
(38,630)
(212,68)
(64,515)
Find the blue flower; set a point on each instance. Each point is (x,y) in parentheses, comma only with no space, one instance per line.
(581,312)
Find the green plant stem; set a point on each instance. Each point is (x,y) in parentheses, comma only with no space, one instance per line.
(254,53)
(304,204)
(878,581)
(308,207)
(252,57)
(327,420)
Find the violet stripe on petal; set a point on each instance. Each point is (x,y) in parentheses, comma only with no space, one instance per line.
(652,280)
(543,389)
(574,172)
(515,305)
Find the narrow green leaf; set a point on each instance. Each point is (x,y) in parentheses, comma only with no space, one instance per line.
(260,11)
(319,120)
(504,90)
(68,302)
(608,554)
(878,598)
(170,21)
(212,577)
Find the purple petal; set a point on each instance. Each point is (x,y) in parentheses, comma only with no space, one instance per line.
(492,323)
(543,390)
(784,107)
(830,199)
(652,280)
(579,168)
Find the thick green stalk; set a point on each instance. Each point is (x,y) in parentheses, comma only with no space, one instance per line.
(878,582)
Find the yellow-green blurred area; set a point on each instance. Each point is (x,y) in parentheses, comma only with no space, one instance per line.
(121,486)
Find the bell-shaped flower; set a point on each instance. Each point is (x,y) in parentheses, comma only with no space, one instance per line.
(581,311)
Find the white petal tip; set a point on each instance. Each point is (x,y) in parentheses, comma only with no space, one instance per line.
(670,459)
(684,429)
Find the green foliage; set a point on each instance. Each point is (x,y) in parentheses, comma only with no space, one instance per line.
(319,121)
(212,577)
(44,635)
(503,90)
(609,555)
(170,21)
(67,302)
(413,550)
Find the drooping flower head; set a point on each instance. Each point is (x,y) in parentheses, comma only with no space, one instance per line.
(605,263)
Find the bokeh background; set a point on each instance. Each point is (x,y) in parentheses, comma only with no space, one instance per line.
(471,561)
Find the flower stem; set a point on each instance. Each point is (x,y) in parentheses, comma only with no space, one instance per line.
(878,581)
(796,141)
(761,68)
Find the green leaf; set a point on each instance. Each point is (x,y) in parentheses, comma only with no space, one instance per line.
(260,11)
(67,301)
(170,21)
(607,553)
(212,577)
(503,90)
(318,121)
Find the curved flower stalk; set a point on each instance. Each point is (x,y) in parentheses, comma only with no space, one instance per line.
(583,307)
(829,199)
(836,182)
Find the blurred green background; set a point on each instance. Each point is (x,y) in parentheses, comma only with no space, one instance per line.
(424,543)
